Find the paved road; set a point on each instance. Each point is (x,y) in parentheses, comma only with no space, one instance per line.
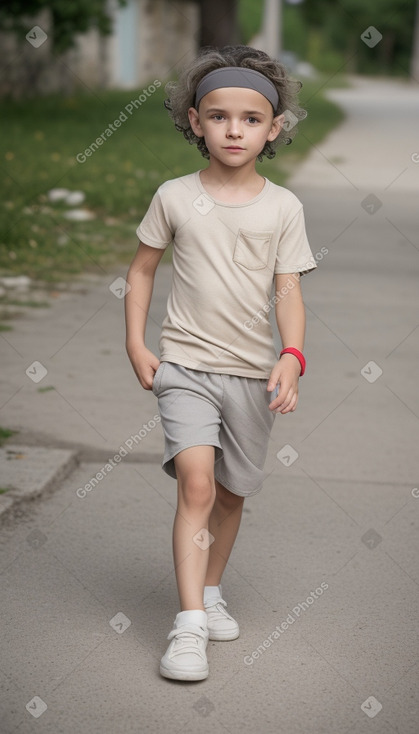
(324,578)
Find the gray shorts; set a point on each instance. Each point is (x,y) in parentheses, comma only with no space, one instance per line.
(225,411)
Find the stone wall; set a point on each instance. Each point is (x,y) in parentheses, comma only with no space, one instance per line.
(151,41)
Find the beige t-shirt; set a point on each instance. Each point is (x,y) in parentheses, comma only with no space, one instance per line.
(224,260)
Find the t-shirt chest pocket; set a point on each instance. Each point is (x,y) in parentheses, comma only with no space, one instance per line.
(252,249)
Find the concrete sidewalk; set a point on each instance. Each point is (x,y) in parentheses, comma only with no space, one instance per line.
(324,577)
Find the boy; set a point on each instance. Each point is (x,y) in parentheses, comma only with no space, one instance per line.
(235,236)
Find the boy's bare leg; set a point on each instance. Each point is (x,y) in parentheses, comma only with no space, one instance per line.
(196,495)
(224,523)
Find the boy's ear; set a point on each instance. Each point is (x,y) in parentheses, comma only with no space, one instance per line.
(276,128)
(193,116)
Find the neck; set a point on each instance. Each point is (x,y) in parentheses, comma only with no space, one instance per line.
(229,177)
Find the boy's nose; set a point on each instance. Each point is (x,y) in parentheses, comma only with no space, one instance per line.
(234,130)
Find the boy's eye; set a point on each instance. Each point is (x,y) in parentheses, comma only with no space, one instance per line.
(218,116)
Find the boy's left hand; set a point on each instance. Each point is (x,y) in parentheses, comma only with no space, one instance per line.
(286,372)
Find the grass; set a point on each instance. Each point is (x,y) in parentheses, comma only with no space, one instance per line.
(29,303)
(5,433)
(44,137)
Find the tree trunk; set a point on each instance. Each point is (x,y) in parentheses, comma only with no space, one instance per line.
(414,67)
(219,26)
(387,50)
(351,66)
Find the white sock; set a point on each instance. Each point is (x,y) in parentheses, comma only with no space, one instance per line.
(192,616)
(211,593)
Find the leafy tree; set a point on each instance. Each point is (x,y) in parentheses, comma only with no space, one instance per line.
(343,22)
(68,18)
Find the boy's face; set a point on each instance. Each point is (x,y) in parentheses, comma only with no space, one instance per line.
(236,123)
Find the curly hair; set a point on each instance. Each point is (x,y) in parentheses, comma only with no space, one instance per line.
(181,94)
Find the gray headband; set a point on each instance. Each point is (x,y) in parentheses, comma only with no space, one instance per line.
(237,76)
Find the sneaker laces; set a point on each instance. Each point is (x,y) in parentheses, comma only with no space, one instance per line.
(185,638)
(219,605)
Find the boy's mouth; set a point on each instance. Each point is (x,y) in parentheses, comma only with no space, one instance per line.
(233,147)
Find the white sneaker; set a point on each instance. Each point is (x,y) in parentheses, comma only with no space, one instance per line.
(185,658)
(221,625)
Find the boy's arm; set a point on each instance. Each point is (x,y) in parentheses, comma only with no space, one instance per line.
(140,278)
(290,318)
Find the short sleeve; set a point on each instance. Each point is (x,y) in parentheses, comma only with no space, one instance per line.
(294,254)
(154,229)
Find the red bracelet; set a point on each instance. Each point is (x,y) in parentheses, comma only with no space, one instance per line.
(298,354)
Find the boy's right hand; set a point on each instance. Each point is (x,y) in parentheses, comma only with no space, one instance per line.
(145,365)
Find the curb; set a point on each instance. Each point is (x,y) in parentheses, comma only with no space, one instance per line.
(29,472)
